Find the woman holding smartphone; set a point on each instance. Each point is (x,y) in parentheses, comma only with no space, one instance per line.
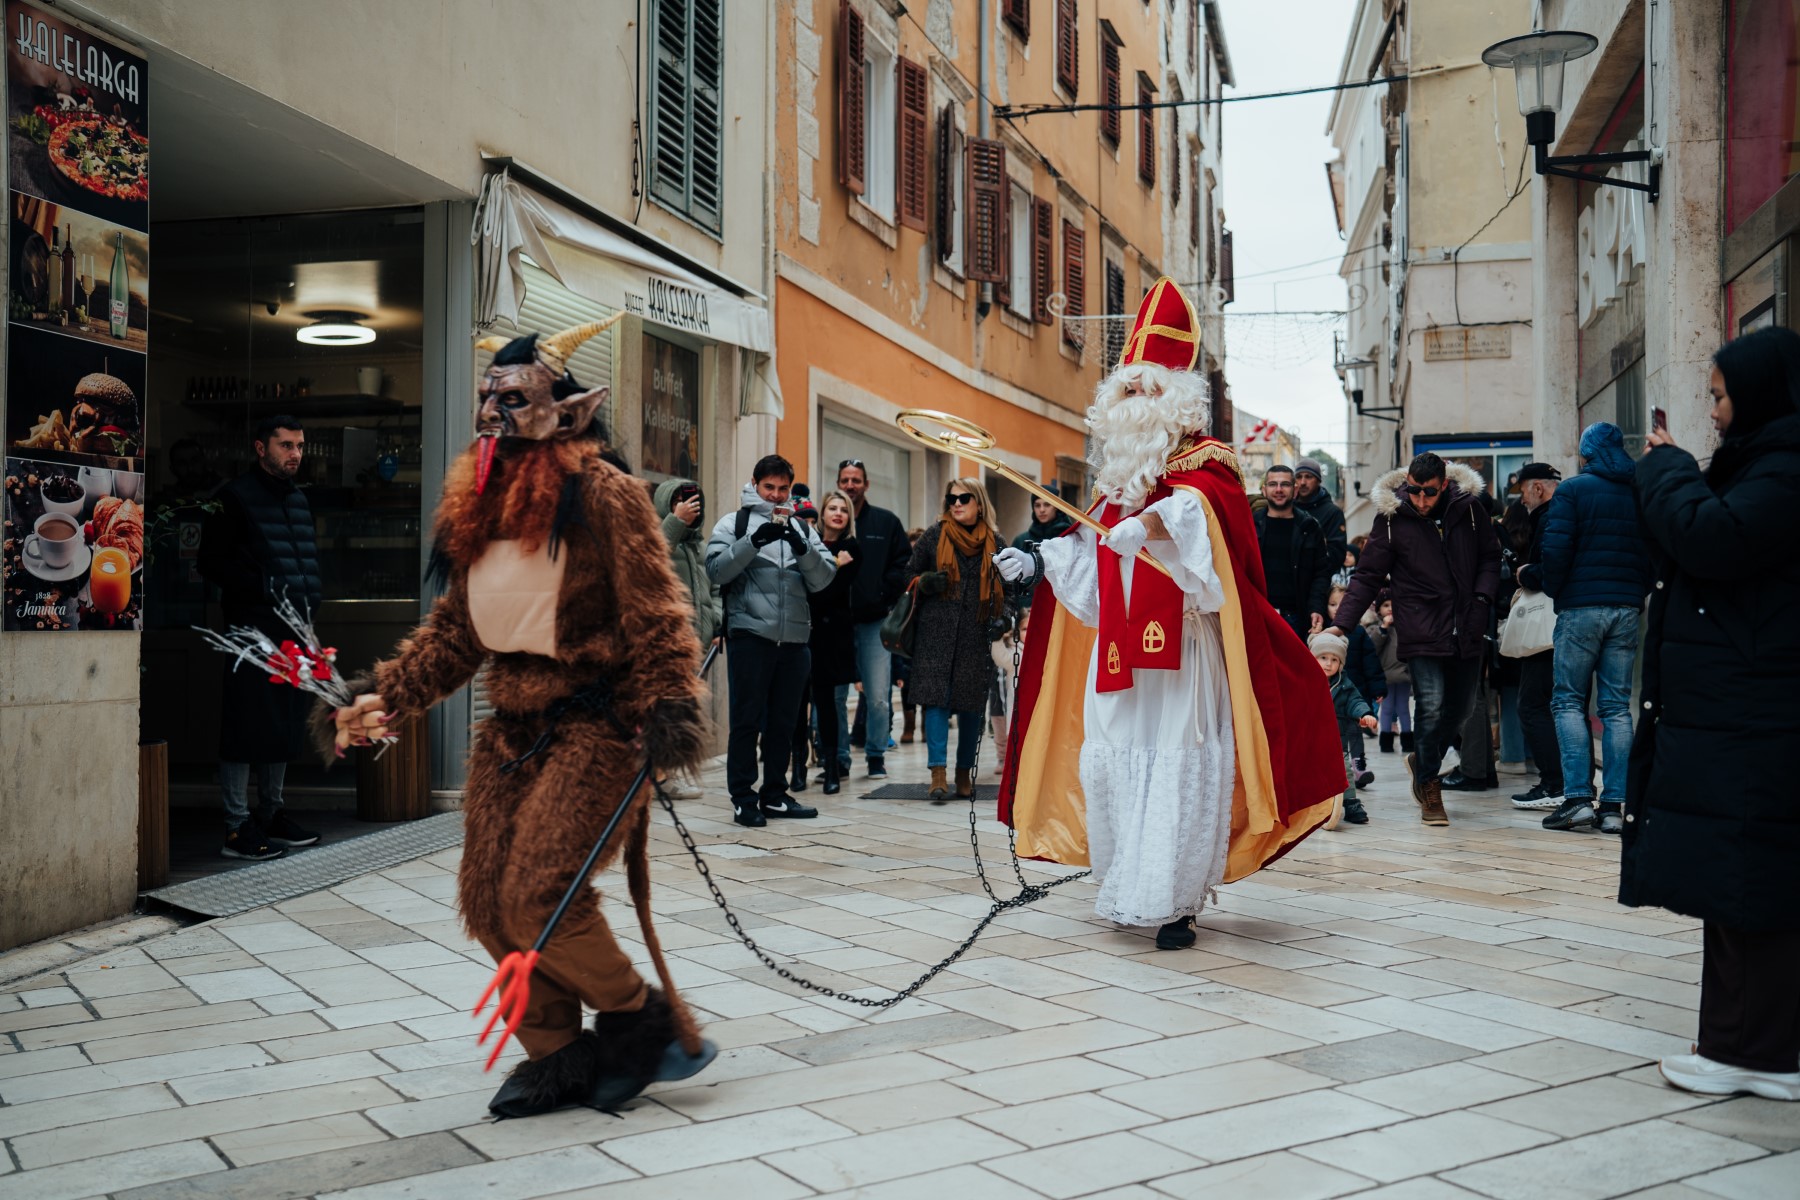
(1712,819)
(960,596)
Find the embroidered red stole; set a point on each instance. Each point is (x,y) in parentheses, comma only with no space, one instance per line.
(1147,634)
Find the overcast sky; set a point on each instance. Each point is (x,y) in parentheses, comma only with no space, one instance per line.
(1279,210)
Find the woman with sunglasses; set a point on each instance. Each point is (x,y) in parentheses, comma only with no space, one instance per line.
(960,593)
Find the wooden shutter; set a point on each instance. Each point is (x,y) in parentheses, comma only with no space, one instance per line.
(669,103)
(1175,163)
(1017,13)
(1227,268)
(853,101)
(1194,208)
(706,181)
(1146,132)
(1043,239)
(985,244)
(911,193)
(1068,48)
(1114,301)
(1074,282)
(1110,91)
(946,192)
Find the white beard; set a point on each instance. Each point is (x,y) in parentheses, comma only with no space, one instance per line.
(1134,435)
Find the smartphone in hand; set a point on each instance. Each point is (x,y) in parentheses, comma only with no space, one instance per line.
(1659,418)
(781,514)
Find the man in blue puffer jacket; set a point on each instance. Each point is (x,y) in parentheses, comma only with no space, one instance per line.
(1596,566)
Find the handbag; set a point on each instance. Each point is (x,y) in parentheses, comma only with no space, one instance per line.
(898,628)
(1530,627)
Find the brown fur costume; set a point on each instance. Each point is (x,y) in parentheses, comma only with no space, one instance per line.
(621,618)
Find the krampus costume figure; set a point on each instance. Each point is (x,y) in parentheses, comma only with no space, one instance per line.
(556,579)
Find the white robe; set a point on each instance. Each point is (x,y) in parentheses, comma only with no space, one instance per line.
(1158,761)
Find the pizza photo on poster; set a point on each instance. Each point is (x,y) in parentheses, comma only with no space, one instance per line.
(77,123)
(73,401)
(73,552)
(66,267)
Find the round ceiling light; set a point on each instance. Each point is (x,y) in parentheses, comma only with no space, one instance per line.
(335,329)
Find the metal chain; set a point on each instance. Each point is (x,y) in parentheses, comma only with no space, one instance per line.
(1029,893)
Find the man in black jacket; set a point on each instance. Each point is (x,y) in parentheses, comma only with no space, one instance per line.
(259,547)
(885,551)
(1313,498)
(1295,563)
(1537,483)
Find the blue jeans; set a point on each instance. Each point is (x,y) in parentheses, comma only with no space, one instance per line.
(1598,644)
(875,667)
(1512,732)
(937,738)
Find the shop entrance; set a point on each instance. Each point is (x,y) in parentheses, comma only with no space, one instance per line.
(241,286)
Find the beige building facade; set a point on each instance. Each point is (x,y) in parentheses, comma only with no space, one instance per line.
(437,169)
(1430,186)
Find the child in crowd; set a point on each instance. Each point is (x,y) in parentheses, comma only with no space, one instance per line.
(1353,715)
(1363,666)
(1396,705)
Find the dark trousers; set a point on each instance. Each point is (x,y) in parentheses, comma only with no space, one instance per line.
(1750,999)
(825,712)
(766,682)
(1535,679)
(1443,695)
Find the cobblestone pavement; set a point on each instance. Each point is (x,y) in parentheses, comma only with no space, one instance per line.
(1394,1011)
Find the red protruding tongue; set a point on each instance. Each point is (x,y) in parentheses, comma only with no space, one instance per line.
(484,461)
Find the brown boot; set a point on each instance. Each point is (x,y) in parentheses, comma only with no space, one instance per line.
(912,716)
(940,786)
(1431,803)
(965,783)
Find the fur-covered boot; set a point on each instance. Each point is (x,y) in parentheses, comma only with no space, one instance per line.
(552,1082)
(638,1049)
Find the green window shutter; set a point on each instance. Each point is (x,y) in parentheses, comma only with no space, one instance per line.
(686,119)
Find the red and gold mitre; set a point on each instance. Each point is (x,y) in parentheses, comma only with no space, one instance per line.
(1166,332)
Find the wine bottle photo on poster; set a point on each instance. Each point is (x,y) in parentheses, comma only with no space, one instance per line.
(78,275)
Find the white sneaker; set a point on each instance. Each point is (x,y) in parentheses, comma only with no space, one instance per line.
(1452,761)
(682,790)
(1692,1073)
(1511,768)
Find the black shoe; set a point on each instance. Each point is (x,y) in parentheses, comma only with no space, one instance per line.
(831,786)
(638,1049)
(247,841)
(1364,778)
(1176,935)
(877,766)
(1612,819)
(797,780)
(1407,744)
(281,829)
(552,1082)
(1571,814)
(786,806)
(1386,741)
(1456,781)
(1355,813)
(748,812)
(1539,798)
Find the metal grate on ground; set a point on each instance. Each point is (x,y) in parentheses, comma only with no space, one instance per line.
(233,892)
(987,793)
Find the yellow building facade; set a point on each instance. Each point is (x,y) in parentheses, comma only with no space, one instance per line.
(932,253)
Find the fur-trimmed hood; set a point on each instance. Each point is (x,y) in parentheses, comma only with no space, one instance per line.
(1386,493)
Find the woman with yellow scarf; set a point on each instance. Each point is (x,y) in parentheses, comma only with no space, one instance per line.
(960,595)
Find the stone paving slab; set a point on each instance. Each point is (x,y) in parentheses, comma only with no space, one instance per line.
(1391,1011)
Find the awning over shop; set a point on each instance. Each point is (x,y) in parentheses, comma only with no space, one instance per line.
(513,222)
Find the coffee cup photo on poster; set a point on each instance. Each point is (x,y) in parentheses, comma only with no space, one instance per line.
(78,130)
(78,275)
(71,400)
(73,552)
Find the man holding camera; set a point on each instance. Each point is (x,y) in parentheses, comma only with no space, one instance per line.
(766,563)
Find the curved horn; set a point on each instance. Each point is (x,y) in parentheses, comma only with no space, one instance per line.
(556,349)
(493,344)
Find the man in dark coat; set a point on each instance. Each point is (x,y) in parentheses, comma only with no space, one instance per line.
(1538,482)
(1595,564)
(1712,825)
(1313,498)
(1440,552)
(259,547)
(885,551)
(1295,561)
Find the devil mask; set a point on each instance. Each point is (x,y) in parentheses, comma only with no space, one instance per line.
(528,393)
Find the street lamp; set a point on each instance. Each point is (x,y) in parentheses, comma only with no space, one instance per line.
(1537,61)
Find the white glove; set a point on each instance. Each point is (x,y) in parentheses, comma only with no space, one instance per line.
(1127,537)
(1013,564)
